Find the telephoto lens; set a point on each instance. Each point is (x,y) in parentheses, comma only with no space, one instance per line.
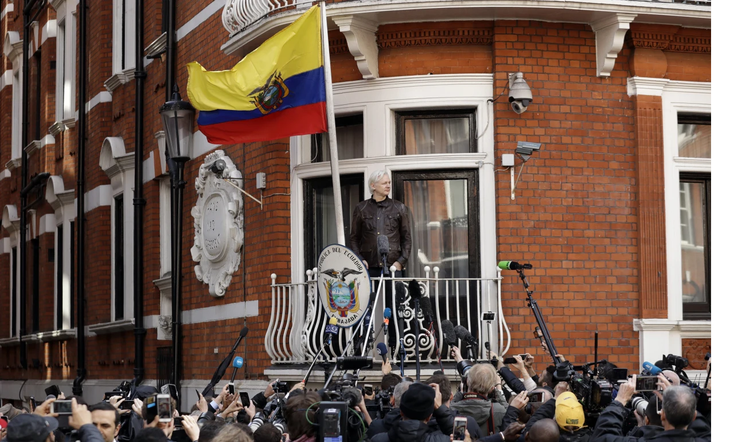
(258,420)
(639,404)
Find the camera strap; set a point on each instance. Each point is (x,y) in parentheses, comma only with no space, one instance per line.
(490,421)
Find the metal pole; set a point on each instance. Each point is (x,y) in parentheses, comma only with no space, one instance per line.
(332,130)
(177,274)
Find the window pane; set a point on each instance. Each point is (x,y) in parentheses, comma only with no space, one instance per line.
(694,140)
(693,225)
(436,135)
(440,232)
(349,140)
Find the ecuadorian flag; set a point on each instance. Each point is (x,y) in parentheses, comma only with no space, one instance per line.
(276,91)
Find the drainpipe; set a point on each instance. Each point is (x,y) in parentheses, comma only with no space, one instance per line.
(27,20)
(80,207)
(139,200)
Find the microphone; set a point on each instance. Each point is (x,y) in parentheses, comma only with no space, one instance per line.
(383,248)
(513,265)
(449,335)
(650,369)
(400,295)
(237,363)
(382,349)
(244,332)
(464,335)
(331,330)
(387,313)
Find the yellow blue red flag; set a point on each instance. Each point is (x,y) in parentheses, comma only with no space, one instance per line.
(276,91)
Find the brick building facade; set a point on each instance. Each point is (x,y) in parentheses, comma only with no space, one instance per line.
(612,211)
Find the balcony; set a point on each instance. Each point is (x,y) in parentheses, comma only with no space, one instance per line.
(250,22)
(296,327)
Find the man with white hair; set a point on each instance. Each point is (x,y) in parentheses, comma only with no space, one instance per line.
(381,215)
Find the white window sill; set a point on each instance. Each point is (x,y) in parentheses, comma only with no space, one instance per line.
(111,327)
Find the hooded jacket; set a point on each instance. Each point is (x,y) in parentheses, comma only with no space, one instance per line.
(411,430)
(481,411)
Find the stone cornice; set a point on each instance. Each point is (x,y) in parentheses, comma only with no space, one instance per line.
(670,38)
(111,327)
(458,35)
(13,163)
(33,146)
(119,79)
(56,128)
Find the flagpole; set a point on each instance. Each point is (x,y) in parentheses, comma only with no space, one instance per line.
(331,129)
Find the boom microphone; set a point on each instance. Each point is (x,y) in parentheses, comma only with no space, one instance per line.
(331,330)
(244,332)
(513,265)
(237,363)
(650,369)
(447,330)
(464,334)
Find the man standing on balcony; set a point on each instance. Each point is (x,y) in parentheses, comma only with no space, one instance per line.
(377,216)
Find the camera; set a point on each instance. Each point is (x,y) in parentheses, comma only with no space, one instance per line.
(639,404)
(679,362)
(519,93)
(62,407)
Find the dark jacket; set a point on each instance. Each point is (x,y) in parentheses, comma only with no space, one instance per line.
(388,217)
(609,428)
(378,426)
(547,411)
(89,433)
(513,382)
(481,411)
(471,424)
(509,417)
(409,431)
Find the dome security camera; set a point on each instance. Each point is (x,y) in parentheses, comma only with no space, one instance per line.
(520,95)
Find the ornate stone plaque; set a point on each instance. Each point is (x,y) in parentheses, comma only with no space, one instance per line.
(218,219)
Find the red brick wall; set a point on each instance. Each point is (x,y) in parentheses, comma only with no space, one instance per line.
(574,216)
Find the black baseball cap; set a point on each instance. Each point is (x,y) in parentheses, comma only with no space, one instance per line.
(30,428)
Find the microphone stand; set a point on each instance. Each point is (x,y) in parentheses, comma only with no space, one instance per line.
(538,317)
(417,305)
(309,371)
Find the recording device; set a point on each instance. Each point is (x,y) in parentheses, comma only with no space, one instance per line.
(280,387)
(330,330)
(646,383)
(650,369)
(231,388)
(367,389)
(513,265)
(512,360)
(448,333)
(520,95)
(178,422)
(471,342)
(536,396)
(150,408)
(354,362)
(170,389)
(126,404)
(459,431)
(679,362)
(383,248)
(382,349)
(639,405)
(164,407)
(53,390)
(488,316)
(61,407)
(333,420)
(109,394)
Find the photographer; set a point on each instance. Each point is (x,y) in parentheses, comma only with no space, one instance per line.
(383,425)
(445,388)
(482,380)
(679,418)
(298,413)
(417,405)
(567,412)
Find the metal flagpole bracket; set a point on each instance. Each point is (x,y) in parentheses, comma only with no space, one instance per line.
(229,181)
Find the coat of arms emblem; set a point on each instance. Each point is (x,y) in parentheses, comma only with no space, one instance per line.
(342,280)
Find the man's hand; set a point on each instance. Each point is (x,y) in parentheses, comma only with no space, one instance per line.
(227,399)
(639,420)
(298,386)
(362,408)
(514,431)
(366,264)
(467,438)
(500,363)
(115,401)
(202,403)
(398,266)
(250,410)
(627,390)
(529,360)
(519,364)
(190,425)
(233,407)
(438,399)
(561,388)
(561,357)
(80,415)
(137,406)
(44,409)
(386,368)
(270,389)
(520,401)
(456,354)
(61,396)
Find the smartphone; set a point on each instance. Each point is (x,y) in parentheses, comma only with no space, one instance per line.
(646,383)
(367,389)
(459,428)
(53,390)
(245,401)
(537,396)
(150,408)
(126,404)
(231,388)
(178,422)
(164,407)
(62,407)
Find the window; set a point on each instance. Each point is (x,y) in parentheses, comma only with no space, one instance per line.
(35,97)
(436,132)
(36,246)
(17,138)
(119,257)
(65,66)
(349,140)
(124,38)
(59,277)
(694,203)
(319,213)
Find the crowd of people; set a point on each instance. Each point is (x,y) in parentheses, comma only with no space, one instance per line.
(492,404)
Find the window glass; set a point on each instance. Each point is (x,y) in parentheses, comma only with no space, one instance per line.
(436,133)
(349,140)
(694,136)
(694,216)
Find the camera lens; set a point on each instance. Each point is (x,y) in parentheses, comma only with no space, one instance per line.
(639,404)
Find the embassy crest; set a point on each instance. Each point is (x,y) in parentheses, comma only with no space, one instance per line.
(342,281)
(270,96)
